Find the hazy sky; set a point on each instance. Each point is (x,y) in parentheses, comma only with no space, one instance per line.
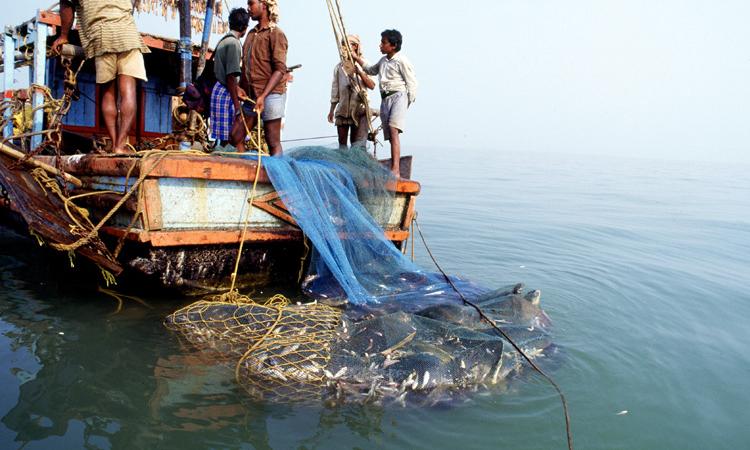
(661,78)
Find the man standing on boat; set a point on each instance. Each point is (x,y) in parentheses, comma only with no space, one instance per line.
(398,90)
(263,76)
(109,35)
(347,106)
(225,97)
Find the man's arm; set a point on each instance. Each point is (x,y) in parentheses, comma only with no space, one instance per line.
(366,80)
(407,71)
(369,70)
(279,46)
(233,86)
(232,65)
(67,15)
(334,93)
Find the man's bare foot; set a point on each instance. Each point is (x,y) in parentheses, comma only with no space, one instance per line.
(123,151)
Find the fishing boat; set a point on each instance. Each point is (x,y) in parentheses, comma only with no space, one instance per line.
(171,219)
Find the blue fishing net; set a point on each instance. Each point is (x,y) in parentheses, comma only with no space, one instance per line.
(339,198)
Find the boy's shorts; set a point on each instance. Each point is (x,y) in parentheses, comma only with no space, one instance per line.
(130,63)
(393,113)
(273,109)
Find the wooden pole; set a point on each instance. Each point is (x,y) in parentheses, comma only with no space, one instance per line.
(186,43)
(206,36)
(9,68)
(13,153)
(40,78)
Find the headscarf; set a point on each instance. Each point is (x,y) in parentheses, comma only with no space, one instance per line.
(273,10)
(354,39)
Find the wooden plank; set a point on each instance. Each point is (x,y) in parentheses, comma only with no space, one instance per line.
(188,166)
(141,236)
(152,207)
(37,163)
(272,204)
(104,202)
(410,211)
(203,237)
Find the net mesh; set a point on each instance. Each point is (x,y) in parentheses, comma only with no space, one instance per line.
(399,333)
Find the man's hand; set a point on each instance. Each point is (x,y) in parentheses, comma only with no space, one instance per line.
(260,104)
(59,42)
(330,117)
(241,94)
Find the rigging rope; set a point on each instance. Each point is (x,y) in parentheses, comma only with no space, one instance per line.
(347,59)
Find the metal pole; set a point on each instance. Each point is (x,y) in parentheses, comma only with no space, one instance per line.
(186,43)
(40,72)
(206,36)
(9,68)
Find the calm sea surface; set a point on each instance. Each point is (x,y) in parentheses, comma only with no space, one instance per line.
(644,268)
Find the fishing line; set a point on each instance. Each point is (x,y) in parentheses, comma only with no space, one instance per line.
(505,335)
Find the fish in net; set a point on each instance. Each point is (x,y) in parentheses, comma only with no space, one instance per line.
(380,328)
(314,352)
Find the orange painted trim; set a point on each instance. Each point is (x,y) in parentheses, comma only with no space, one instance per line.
(410,211)
(272,204)
(188,166)
(141,236)
(49,18)
(204,237)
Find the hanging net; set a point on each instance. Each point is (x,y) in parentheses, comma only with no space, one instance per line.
(398,332)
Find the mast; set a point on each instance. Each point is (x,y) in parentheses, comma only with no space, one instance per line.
(185,48)
(206,36)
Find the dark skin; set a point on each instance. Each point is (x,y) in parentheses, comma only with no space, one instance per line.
(389,50)
(350,131)
(272,128)
(123,86)
(236,93)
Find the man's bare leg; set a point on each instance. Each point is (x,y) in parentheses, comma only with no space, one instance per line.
(126,86)
(273,136)
(239,133)
(343,131)
(395,151)
(109,110)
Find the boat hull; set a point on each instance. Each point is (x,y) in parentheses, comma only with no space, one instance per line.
(178,220)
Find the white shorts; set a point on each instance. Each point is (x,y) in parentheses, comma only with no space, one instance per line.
(393,113)
(273,108)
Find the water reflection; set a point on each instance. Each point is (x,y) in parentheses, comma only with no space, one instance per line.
(87,377)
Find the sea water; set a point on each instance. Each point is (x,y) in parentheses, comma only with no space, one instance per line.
(644,268)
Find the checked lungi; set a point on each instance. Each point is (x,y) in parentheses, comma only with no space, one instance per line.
(222,112)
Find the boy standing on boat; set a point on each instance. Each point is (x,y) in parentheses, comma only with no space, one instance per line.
(109,35)
(225,97)
(398,90)
(263,76)
(347,107)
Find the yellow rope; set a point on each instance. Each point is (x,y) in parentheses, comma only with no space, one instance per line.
(257,344)
(250,199)
(247,221)
(303,258)
(95,231)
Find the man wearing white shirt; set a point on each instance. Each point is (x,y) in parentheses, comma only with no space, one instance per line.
(398,90)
